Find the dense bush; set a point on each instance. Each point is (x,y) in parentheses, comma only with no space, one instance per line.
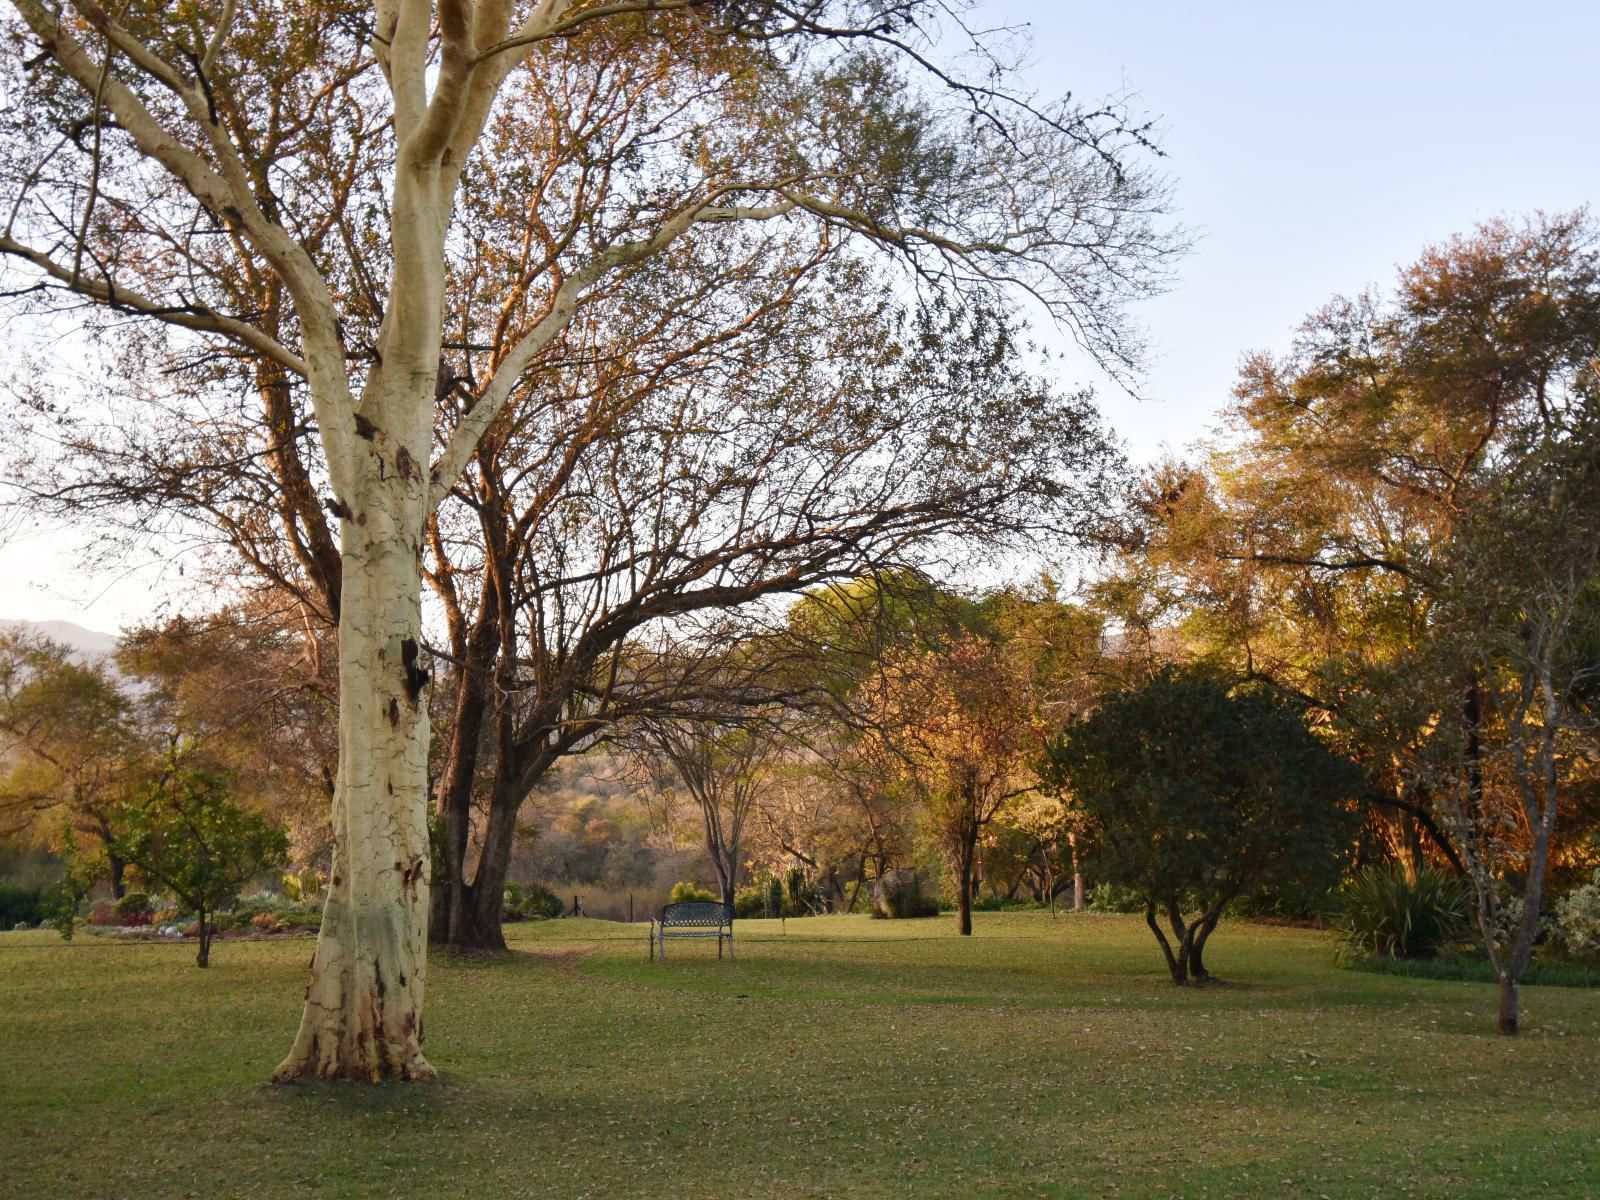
(1113,898)
(302,887)
(903,894)
(533,900)
(801,893)
(1387,913)
(20,905)
(252,906)
(1577,920)
(104,914)
(298,917)
(134,904)
(542,902)
(688,891)
(788,895)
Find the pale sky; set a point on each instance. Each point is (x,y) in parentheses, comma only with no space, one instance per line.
(1313,149)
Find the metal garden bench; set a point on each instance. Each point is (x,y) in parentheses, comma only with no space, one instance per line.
(692,918)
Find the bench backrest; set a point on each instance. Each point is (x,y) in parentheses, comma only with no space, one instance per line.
(708,913)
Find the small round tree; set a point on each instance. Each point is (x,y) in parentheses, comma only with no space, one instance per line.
(188,835)
(1192,794)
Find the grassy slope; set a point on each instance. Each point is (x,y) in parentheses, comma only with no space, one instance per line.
(848,1058)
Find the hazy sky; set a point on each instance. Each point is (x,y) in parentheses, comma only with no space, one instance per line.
(1313,148)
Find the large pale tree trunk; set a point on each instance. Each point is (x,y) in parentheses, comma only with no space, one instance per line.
(363,1010)
(362,1017)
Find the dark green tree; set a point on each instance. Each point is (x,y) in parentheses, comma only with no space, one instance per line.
(1193,794)
(187,834)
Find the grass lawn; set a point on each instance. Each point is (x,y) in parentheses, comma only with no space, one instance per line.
(845,1058)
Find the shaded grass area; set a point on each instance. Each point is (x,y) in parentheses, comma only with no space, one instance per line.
(1477,970)
(834,1057)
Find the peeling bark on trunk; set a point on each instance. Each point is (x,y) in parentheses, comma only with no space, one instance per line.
(363,1011)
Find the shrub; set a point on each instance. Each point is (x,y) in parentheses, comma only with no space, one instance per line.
(266,922)
(788,895)
(252,906)
(1113,898)
(103,914)
(802,894)
(533,901)
(134,903)
(688,891)
(542,902)
(299,918)
(903,894)
(1577,920)
(20,905)
(301,886)
(1386,913)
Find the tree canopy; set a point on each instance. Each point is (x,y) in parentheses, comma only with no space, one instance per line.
(1192,794)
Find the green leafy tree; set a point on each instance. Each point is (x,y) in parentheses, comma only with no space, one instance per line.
(1192,795)
(81,870)
(187,834)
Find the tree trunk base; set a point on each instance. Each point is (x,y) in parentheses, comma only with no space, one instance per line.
(413,1068)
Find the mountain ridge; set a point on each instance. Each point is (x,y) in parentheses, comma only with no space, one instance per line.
(86,644)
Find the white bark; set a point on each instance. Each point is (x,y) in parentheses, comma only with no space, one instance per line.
(363,1011)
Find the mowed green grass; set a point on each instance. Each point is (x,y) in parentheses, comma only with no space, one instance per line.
(841,1057)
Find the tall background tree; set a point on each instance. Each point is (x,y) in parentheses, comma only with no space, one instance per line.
(1333,547)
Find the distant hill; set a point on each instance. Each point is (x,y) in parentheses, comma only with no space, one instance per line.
(87,644)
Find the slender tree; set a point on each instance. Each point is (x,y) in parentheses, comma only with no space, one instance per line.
(964,723)
(723,765)
(186,834)
(1521,611)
